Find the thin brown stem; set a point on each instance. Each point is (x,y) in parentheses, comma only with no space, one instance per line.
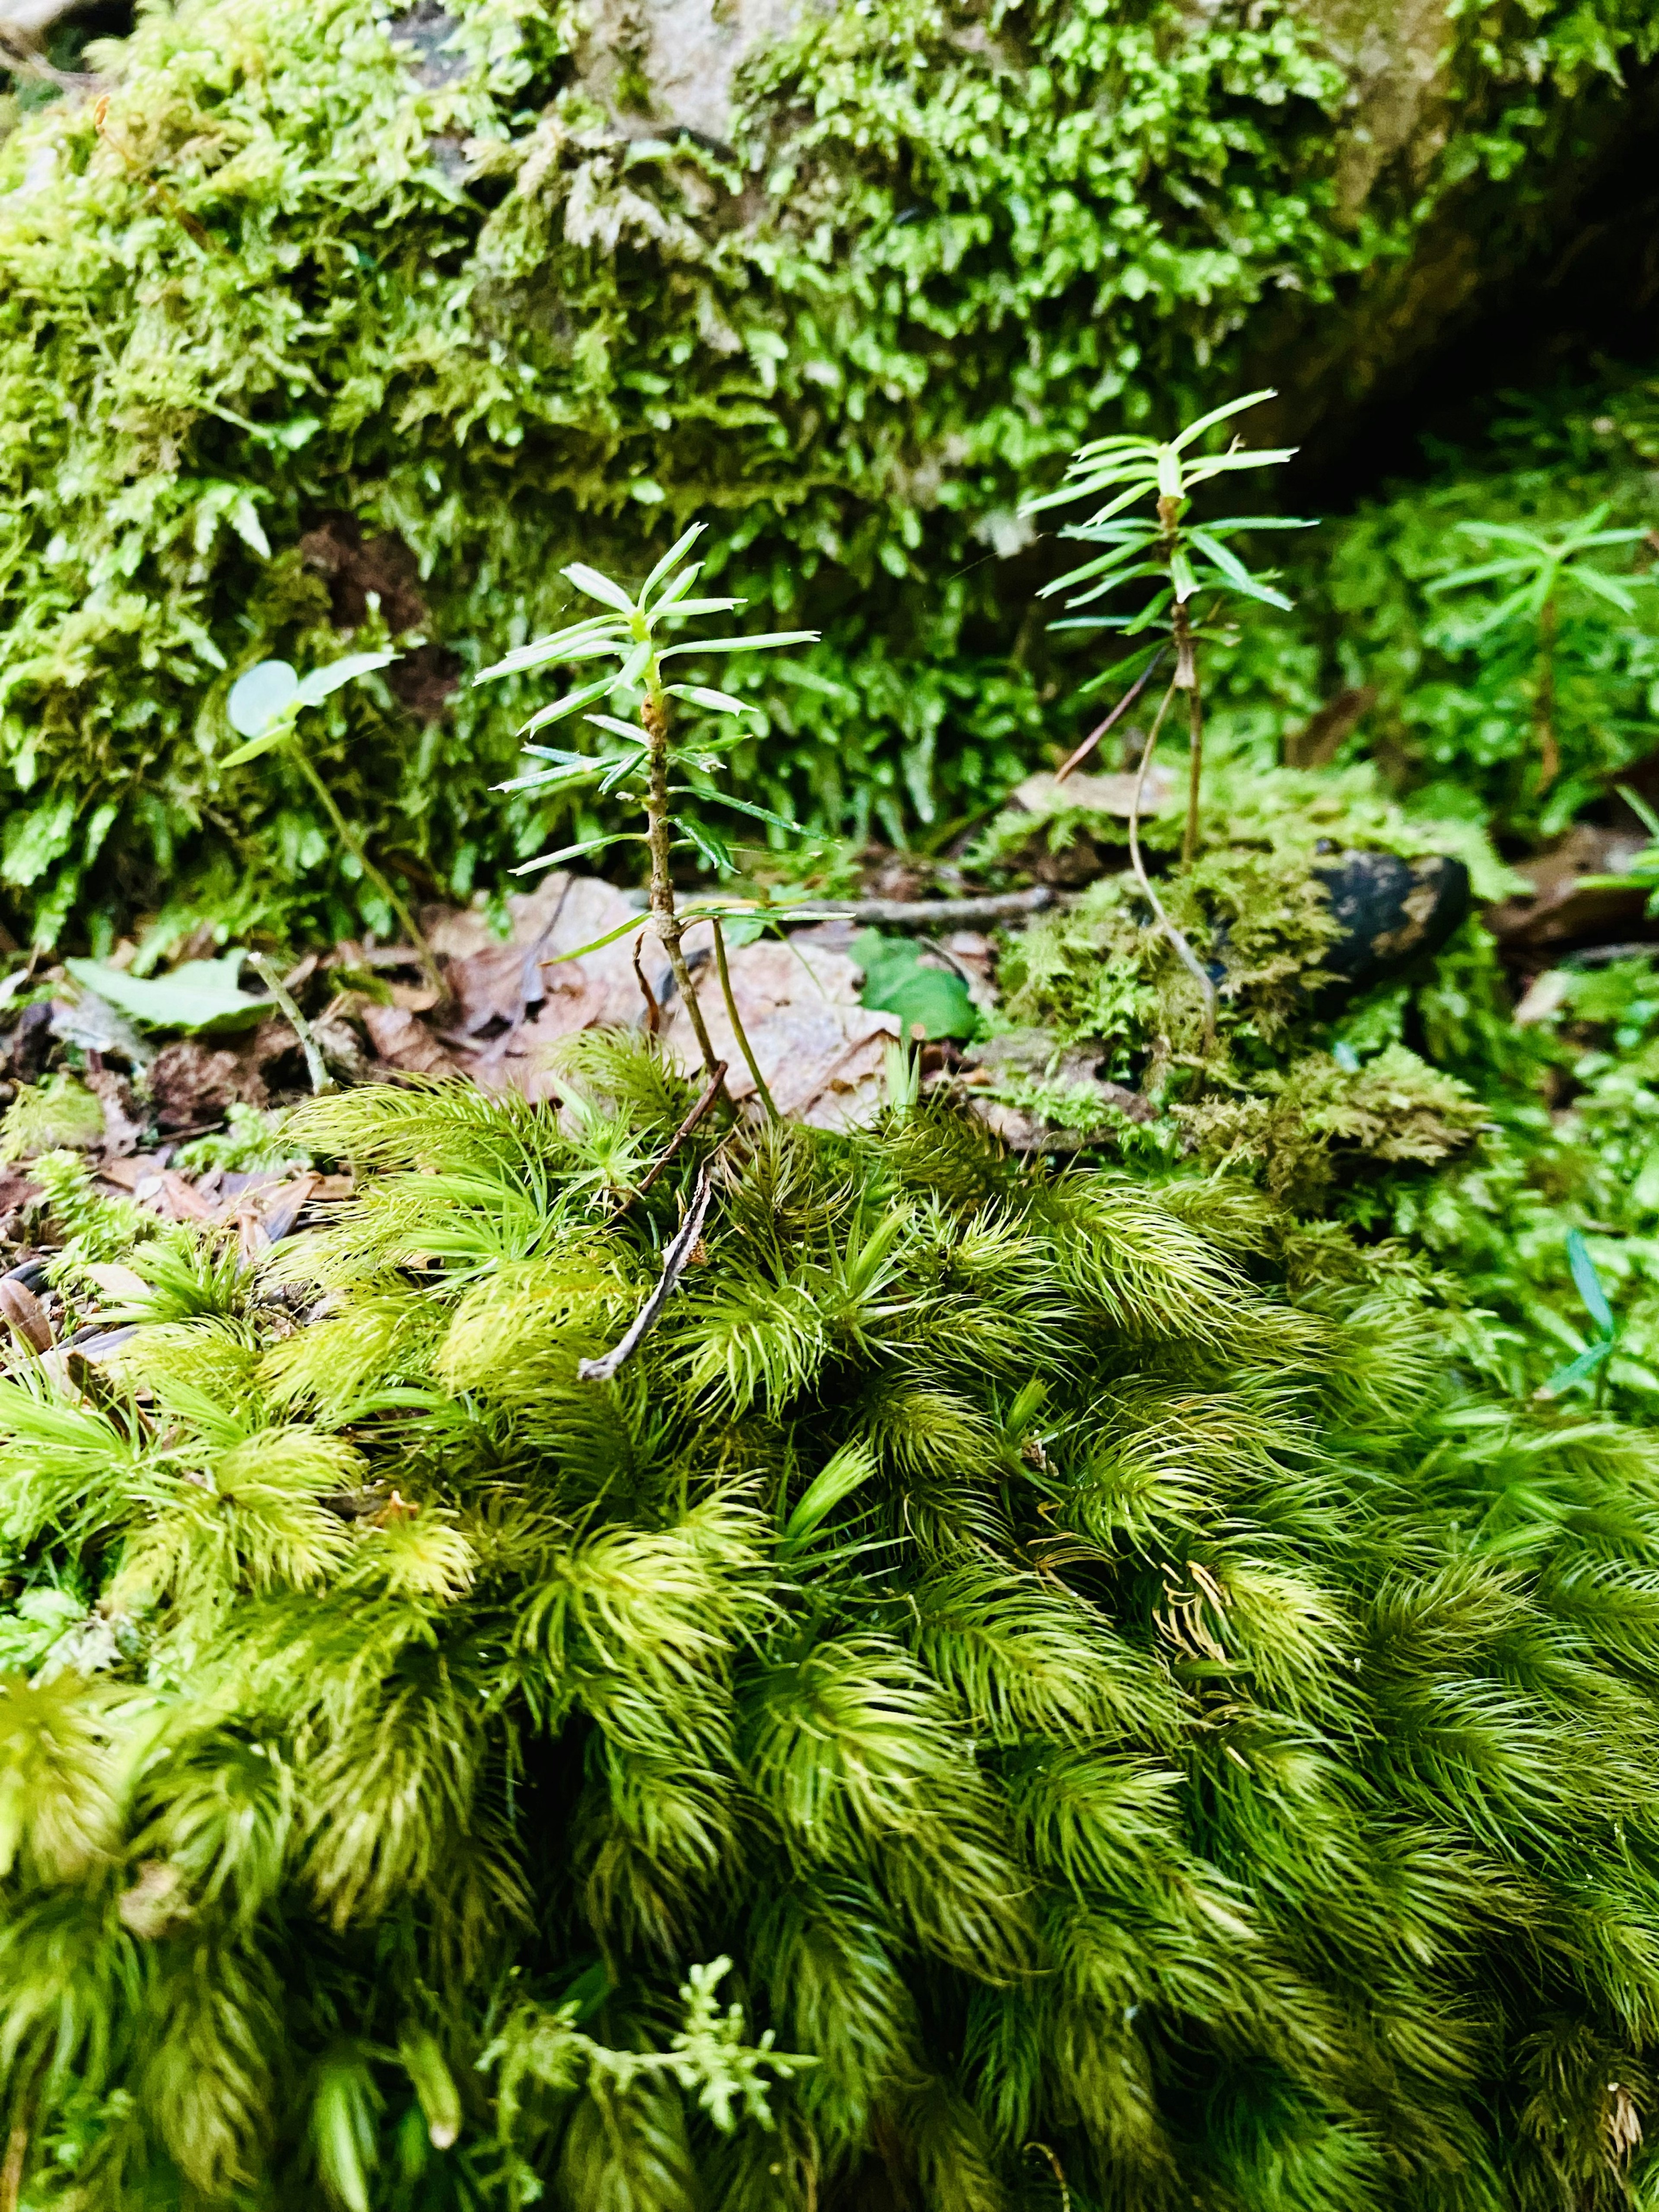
(653,720)
(738,1030)
(1543,710)
(1116,716)
(698,1114)
(1184,952)
(1186,679)
(354,845)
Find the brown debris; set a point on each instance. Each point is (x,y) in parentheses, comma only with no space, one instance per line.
(24,1315)
(114,1095)
(404,1041)
(194,1085)
(1562,909)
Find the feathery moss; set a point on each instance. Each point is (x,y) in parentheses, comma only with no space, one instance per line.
(1135,1711)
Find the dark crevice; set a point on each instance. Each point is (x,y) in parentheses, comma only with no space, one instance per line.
(1579,303)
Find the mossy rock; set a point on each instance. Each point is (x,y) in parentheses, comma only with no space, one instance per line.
(339,321)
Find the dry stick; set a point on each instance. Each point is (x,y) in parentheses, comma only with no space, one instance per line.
(354,845)
(653,720)
(1113,719)
(710,1091)
(674,1259)
(321,1080)
(738,1030)
(923,914)
(1184,951)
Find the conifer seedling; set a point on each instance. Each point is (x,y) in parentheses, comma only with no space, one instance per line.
(1538,570)
(1191,569)
(637,635)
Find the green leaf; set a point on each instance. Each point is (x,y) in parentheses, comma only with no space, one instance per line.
(571,852)
(580,641)
(761,643)
(572,703)
(1195,430)
(718,703)
(614,727)
(260,696)
(677,551)
(742,806)
(1588,1284)
(599,586)
(852,1467)
(709,844)
(201,995)
(322,682)
(895,982)
(1576,1371)
(279,732)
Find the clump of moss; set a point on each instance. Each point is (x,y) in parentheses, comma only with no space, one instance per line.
(1299,1124)
(51,1116)
(1101,970)
(317,331)
(997,1620)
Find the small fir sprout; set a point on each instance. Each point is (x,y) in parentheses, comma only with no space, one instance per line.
(265,703)
(637,635)
(1533,571)
(1187,571)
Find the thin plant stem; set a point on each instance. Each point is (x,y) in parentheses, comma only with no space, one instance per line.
(1549,750)
(1184,952)
(321,1080)
(1186,679)
(1112,719)
(354,845)
(738,1030)
(653,720)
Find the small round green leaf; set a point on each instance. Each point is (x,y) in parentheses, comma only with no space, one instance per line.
(260,696)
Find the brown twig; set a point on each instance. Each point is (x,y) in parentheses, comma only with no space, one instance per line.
(1184,952)
(674,1259)
(923,914)
(1112,719)
(653,1009)
(738,1030)
(711,1091)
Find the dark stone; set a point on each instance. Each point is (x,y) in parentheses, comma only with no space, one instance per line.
(1392,911)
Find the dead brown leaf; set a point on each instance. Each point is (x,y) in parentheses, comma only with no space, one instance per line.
(404,1041)
(822,1055)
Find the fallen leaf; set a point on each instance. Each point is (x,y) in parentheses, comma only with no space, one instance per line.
(404,1041)
(122,1283)
(1094,794)
(24,1315)
(114,1096)
(822,1055)
(497,984)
